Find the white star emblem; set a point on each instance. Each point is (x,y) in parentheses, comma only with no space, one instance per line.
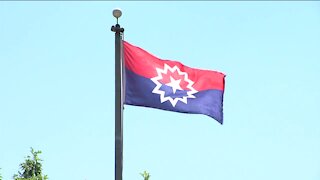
(175,84)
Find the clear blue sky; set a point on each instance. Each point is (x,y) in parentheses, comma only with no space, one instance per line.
(57,90)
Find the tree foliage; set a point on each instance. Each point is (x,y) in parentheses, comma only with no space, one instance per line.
(31,169)
(0,176)
(145,175)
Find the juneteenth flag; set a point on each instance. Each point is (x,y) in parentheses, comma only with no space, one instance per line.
(170,85)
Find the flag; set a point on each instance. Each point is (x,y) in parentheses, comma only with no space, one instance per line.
(170,85)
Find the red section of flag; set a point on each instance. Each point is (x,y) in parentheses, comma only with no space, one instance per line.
(144,64)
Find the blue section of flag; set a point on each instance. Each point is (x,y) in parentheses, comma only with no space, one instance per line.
(138,90)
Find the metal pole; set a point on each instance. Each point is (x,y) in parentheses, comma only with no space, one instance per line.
(118,102)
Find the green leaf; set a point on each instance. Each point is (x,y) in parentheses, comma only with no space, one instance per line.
(31,169)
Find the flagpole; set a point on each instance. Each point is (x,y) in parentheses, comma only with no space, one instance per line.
(118,97)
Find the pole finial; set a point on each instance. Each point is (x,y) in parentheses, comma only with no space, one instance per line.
(117,13)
